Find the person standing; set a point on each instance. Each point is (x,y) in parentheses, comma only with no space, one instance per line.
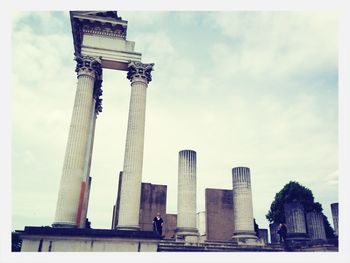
(158,224)
(282,231)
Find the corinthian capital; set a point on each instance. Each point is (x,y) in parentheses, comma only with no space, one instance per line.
(138,71)
(88,65)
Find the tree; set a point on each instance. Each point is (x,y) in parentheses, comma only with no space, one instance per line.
(293,191)
(16,242)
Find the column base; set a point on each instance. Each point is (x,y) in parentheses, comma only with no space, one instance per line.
(187,234)
(247,238)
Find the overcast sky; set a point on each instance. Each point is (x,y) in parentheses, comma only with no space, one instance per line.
(255,89)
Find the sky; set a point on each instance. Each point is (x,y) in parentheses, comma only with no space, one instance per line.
(255,89)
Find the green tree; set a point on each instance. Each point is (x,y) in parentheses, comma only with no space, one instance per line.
(293,191)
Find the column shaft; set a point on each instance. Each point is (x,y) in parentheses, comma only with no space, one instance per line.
(315,225)
(242,203)
(129,209)
(334,208)
(72,187)
(187,187)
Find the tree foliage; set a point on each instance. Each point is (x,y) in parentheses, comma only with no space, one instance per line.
(293,191)
(16,242)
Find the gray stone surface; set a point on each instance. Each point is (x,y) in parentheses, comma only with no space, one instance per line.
(295,221)
(152,200)
(274,237)
(263,233)
(187,197)
(76,166)
(334,208)
(242,204)
(130,192)
(170,226)
(219,214)
(315,226)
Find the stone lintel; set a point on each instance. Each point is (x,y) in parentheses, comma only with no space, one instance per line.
(111,59)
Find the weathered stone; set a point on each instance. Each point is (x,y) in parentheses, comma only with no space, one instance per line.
(46,239)
(129,209)
(334,208)
(169,227)
(219,214)
(315,226)
(201,226)
(264,235)
(273,233)
(152,200)
(242,204)
(186,197)
(295,221)
(76,167)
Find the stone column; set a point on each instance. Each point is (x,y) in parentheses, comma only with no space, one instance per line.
(315,225)
(76,161)
(140,75)
(295,220)
(186,197)
(242,204)
(334,208)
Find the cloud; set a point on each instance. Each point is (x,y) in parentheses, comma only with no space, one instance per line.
(240,88)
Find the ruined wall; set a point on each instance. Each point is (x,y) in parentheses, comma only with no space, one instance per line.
(219,214)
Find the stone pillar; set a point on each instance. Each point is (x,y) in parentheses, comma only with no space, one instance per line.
(295,220)
(242,204)
(140,75)
(77,159)
(315,225)
(274,237)
(334,208)
(186,197)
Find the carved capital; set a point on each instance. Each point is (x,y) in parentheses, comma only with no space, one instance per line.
(88,65)
(91,66)
(138,71)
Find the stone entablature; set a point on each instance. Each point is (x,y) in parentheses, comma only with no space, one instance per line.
(103,34)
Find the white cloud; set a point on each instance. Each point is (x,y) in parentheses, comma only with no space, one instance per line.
(239,102)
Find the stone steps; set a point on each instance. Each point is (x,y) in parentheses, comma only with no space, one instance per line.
(213,246)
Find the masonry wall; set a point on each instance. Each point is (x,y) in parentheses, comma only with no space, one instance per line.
(170,223)
(219,214)
(152,200)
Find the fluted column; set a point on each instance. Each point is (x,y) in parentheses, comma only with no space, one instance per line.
(76,162)
(315,225)
(295,221)
(295,217)
(186,196)
(334,208)
(140,75)
(242,204)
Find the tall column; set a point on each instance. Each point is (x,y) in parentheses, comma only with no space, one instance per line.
(140,75)
(334,208)
(186,197)
(242,204)
(315,225)
(74,172)
(86,183)
(295,220)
